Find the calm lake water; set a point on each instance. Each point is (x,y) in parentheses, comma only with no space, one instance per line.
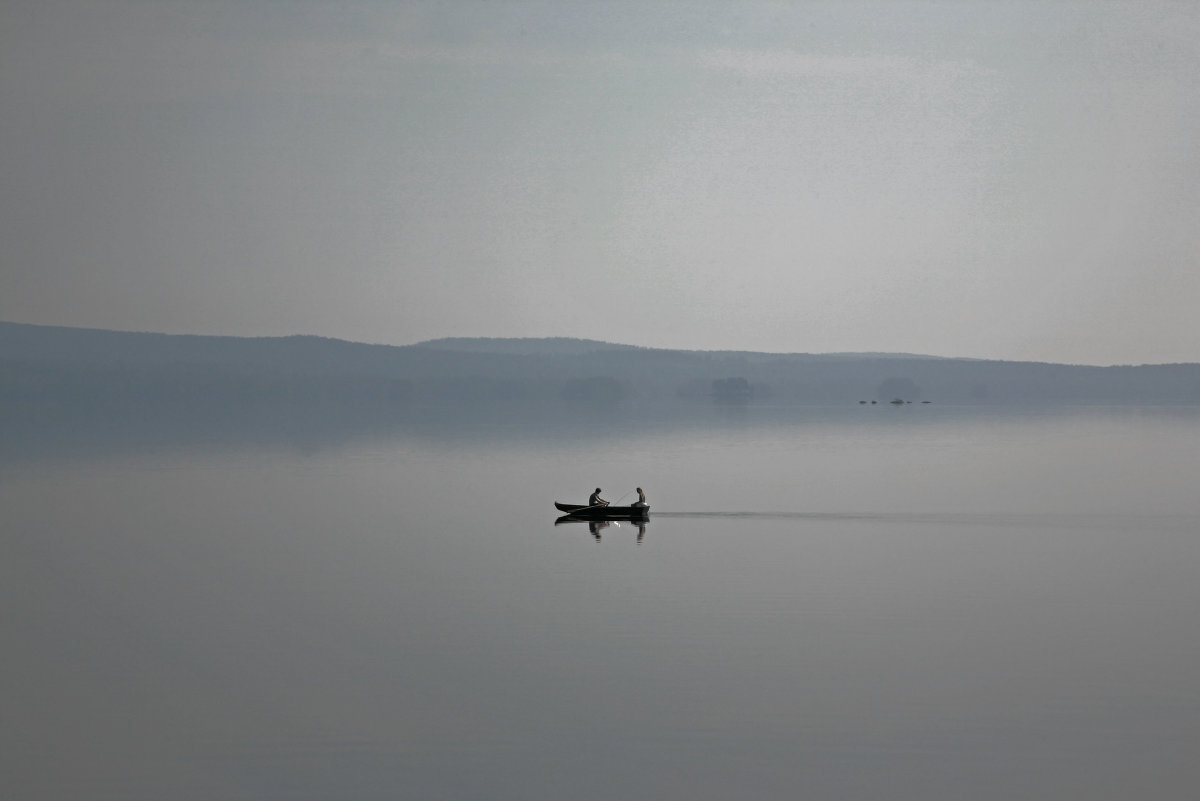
(862,603)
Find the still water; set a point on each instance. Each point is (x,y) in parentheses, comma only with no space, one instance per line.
(867,603)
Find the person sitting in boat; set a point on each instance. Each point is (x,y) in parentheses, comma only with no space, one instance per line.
(596,500)
(641,501)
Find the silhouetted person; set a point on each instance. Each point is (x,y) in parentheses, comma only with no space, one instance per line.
(596,500)
(641,501)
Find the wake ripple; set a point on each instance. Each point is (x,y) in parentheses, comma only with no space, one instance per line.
(930,518)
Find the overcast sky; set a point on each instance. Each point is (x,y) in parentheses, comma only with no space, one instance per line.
(986,179)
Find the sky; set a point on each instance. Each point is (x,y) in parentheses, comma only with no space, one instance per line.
(990,179)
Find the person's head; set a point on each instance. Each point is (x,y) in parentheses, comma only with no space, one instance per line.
(597,489)
(639,489)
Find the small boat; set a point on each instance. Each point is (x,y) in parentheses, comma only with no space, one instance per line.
(579,510)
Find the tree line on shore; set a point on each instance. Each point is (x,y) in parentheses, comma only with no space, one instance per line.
(47,368)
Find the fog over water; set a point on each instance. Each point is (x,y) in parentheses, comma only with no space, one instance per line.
(921,602)
(259,566)
(270,563)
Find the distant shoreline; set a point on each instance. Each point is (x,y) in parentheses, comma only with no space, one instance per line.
(51,366)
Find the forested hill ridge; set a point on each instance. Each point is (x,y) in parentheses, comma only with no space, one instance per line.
(48,366)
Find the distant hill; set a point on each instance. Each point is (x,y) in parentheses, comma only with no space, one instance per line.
(97,347)
(547,346)
(852,355)
(46,367)
(566,346)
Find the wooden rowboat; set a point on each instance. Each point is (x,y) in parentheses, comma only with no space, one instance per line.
(603,512)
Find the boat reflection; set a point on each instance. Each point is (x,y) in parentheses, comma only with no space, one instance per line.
(597,526)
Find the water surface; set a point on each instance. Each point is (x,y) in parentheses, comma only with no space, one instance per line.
(916,603)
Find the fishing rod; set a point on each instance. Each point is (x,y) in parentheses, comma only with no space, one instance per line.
(617,502)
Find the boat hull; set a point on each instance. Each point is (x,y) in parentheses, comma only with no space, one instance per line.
(582,512)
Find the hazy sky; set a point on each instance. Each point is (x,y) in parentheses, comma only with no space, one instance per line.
(989,179)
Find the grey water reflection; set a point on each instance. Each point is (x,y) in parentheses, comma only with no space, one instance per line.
(596,527)
(967,604)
